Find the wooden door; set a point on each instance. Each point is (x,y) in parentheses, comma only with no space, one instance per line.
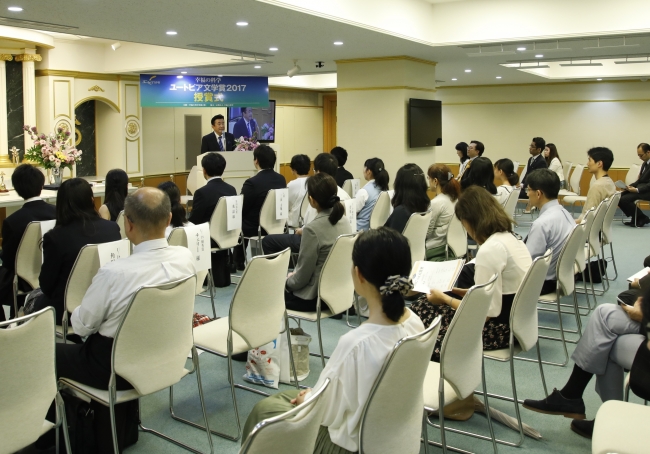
(329,122)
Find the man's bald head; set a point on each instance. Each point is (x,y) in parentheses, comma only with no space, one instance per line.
(148,209)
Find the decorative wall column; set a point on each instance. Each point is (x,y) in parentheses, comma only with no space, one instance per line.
(4,136)
(29,89)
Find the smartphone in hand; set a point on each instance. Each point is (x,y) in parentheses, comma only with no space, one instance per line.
(622,303)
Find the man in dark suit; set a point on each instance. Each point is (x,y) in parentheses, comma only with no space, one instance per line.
(219,140)
(254,192)
(204,202)
(536,161)
(474,150)
(341,156)
(28,182)
(639,190)
(246,126)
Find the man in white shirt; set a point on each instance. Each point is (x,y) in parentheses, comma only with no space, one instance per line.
(300,165)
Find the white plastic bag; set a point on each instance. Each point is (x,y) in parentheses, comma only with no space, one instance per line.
(300,348)
(263,364)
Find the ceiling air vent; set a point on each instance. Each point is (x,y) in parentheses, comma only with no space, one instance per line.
(34,24)
(225,50)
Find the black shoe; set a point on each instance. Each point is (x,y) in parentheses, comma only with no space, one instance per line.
(583,428)
(639,222)
(233,268)
(241,357)
(241,266)
(556,404)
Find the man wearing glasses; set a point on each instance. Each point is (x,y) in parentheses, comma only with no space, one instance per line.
(639,190)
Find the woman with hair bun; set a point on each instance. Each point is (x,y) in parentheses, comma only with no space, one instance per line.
(446,191)
(375,174)
(506,175)
(179,216)
(381,261)
(318,237)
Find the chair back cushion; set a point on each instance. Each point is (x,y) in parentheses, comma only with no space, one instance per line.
(461,353)
(380,211)
(83,271)
(219,232)
(596,227)
(120,224)
(29,257)
(511,203)
(28,379)
(257,306)
(268,221)
(632,174)
(416,233)
(566,168)
(574,182)
(609,217)
(392,417)
(570,255)
(335,286)
(155,336)
(457,237)
(178,237)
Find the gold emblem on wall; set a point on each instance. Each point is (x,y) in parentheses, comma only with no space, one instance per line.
(77,133)
(132,129)
(96,88)
(28,57)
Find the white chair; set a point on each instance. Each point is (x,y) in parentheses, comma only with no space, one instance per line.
(460,369)
(566,170)
(456,238)
(219,233)
(632,174)
(29,259)
(120,224)
(335,287)
(256,313)
(268,222)
(28,377)
(593,249)
(574,182)
(192,185)
(608,234)
(380,211)
(565,272)
(303,208)
(575,199)
(392,419)
(620,428)
(150,349)
(416,232)
(523,331)
(178,237)
(297,428)
(511,203)
(347,187)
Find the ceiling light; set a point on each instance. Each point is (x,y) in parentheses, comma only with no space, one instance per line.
(468,70)
(273,49)
(183,72)
(338,43)
(521,49)
(599,79)
(242,24)
(219,75)
(580,64)
(295,70)
(15,9)
(116,46)
(498,77)
(179,77)
(257,66)
(539,56)
(172,32)
(454,79)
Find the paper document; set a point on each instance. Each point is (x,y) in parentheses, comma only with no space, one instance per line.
(351,213)
(198,242)
(643,273)
(233,208)
(281,204)
(620,184)
(355,183)
(115,250)
(435,275)
(46,226)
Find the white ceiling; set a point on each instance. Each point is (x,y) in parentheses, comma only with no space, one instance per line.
(305,30)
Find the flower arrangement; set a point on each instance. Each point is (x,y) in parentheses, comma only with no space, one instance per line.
(52,151)
(267,132)
(244,144)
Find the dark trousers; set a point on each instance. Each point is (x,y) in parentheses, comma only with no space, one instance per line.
(276,243)
(295,303)
(549,286)
(221,268)
(626,204)
(7,292)
(239,252)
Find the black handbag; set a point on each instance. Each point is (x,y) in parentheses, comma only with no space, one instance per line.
(640,372)
(80,417)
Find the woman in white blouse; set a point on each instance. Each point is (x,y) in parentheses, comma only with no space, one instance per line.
(505,174)
(501,253)
(553,162)
(381,264)
(446,190)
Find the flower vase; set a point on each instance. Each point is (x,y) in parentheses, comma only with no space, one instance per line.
(57,175)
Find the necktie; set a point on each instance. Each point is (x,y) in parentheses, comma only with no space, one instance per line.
(220,144)
(248,125)
(642,171)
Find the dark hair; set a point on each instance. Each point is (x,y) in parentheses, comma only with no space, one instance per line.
(265,156)
(28,181)
(323,189)
(552,153)
(340,154)
(539,143)
(448,184)
(604,155)
(544,180)
(215,118)
(462,147)
(380,253)
(411,189)
(479,146)
(143,214)
(644,146)
(117,184)
(214,164)
(508,168)
(376,167)
(75,202)
(326,163)
(482,174)
(483,213)
(244,109)
(301,164)
(174,194)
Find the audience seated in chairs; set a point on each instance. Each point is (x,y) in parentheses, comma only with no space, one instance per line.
(318,237)
(341,156)
(554,163)
(501,253)
(481,175)
(639,190)
(147,214)
(117,188)
(77,224)
(323,163)
(446,190)
(553,226)
(475,149)
(377,177)
(300,165)
(613,341)
(505,174)
(410,196)
(179,215)
(599,162)
(203,204)
(28,182)
(254,191)
(382,262)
